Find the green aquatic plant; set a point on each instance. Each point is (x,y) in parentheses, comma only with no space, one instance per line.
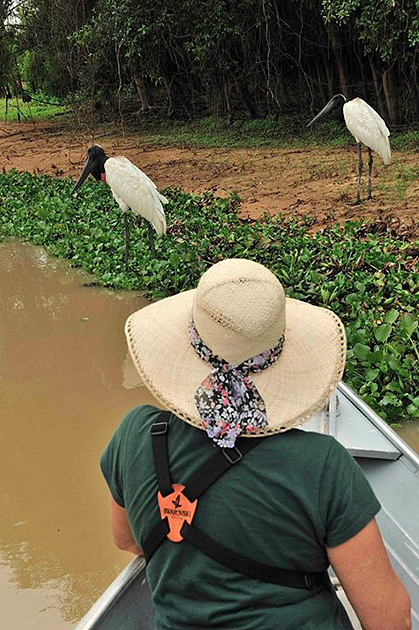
(365,272)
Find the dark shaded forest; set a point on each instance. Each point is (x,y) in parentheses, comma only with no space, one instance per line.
(188,59)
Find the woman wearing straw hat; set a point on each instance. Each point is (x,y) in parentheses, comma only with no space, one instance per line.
(238,512)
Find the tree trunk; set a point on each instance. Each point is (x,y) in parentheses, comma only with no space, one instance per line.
(142,92)
(227,99)
(377,87)
(278,92)
(170,104)
(340,63)
(389,91)
(415,85)
(342,76)
(364,79)
(215,99)
(329,75)
(320,83)
(246,99)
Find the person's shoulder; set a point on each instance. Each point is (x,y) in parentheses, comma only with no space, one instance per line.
(143,412)
(298,445)
(139,419)
(328,445)
(311,439)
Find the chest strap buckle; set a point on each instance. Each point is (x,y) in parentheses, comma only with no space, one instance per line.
(233,455)
(158,428)
(308,579)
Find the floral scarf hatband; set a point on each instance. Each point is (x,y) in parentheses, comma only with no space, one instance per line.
(227,399)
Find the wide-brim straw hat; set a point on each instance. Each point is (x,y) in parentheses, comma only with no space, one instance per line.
(239,310)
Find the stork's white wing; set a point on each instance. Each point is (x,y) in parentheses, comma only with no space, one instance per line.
(134,189)
(368,127)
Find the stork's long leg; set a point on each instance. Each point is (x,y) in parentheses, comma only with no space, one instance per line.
(126,223)
(360,165)
(369,172)
(151,238)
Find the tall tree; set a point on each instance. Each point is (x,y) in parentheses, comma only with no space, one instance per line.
(6,48)
(197,57)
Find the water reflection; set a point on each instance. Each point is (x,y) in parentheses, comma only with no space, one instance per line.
(409,432)
(65,382)
(130,376)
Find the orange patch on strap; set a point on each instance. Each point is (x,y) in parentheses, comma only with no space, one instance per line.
(177,509)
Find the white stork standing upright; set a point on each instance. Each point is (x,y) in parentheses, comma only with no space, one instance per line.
(366,126)
(131,189)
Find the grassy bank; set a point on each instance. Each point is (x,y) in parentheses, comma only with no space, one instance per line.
(267,132)
(259,133)
(40,108)
(366,273)
(273,131)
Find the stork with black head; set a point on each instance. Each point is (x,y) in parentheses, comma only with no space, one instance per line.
(132,190)
(367,126)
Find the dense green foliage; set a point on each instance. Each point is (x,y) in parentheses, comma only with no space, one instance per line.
(192,58)
(365,272)
(6,48)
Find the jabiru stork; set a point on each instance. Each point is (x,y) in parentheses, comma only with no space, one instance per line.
(366,126)
(131,189)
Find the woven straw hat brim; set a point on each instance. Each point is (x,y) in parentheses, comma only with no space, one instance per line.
(296,386)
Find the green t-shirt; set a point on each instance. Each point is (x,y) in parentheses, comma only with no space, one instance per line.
(288,499)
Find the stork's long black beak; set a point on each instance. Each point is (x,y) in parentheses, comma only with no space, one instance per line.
(87,169)
(334,102)
(326,109)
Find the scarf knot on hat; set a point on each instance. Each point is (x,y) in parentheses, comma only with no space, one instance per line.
(227,399)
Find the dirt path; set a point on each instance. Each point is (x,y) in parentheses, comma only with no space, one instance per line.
(320,183)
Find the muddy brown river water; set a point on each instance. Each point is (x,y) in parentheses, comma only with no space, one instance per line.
(65,382)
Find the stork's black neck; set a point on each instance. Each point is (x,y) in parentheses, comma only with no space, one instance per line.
(99,167)
(97,158)
(337,102)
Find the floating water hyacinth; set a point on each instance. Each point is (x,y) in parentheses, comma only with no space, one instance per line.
(366,272)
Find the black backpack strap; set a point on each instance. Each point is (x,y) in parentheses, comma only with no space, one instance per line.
(158,432)
(256,570)
(218,464)
(154,538)
(221,461)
